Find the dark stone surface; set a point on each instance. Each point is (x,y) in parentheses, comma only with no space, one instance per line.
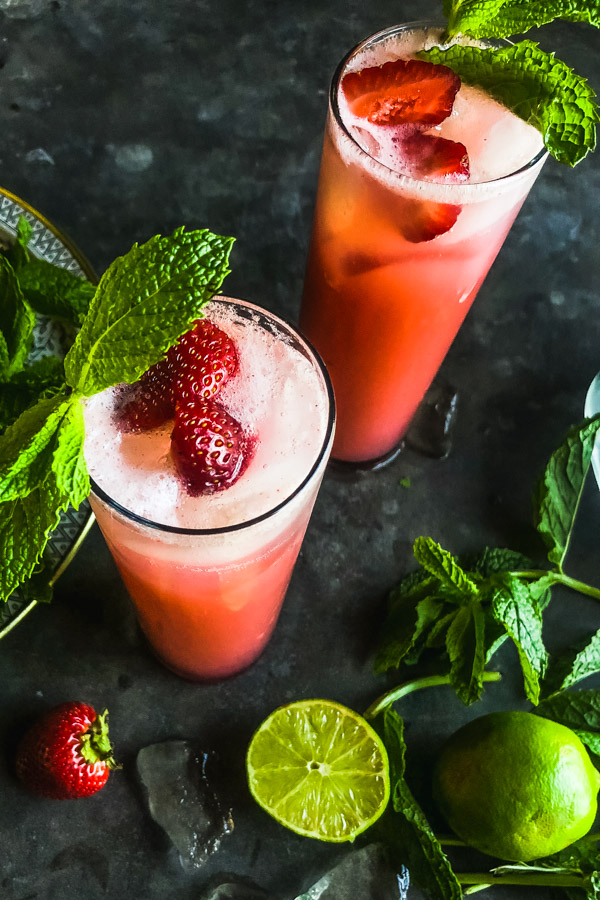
(121,120)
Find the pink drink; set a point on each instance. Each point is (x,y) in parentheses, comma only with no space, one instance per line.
(208,574)
(381,303)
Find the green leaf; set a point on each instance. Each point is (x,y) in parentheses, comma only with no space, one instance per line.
(410,616)
(469,16)
(28,447)
(408,835)
(441,564)
(517,610)
(48,481)
(145,301)
(16,321)
(53,291)
(25,526)
(558,494)
(504,18)
(41,379)
(578,710)
(537,87)
(18,254)
(465,643)
(574,666)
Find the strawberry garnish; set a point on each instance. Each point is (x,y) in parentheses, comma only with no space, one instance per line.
(407,92)
(210,448)
(195,368)
(434,158)
(67,753)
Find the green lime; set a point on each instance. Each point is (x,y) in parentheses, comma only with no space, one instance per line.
(319,769)
(516,786)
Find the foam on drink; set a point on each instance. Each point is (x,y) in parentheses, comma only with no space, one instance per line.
(276,394)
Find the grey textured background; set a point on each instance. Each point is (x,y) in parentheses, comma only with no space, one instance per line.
(120,120)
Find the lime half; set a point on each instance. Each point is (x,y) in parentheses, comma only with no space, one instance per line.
(319,769)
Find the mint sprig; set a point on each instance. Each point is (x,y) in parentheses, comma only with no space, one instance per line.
(462,610)
(537,87)
(145,301)
(504,18)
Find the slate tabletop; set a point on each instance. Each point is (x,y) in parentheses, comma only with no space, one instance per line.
(122,120)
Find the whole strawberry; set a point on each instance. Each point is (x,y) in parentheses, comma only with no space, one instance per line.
(209,447)
(66,754)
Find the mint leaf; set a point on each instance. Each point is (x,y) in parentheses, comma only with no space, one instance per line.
(575,665)
(469,16)
(25,526)
(414,605)
(579,711)
(16,322)
(504,18)
(465,643)
(145,301)
(557,497)
(537,87)
(53,291)
(408,835)
(40,481)
(41,379)
(443,565)
(28,447)
(518,611)
(18,254)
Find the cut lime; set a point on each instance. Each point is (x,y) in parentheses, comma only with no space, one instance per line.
(319,769)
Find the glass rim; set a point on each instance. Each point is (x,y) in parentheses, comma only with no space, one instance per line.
(334,105)
(269,513)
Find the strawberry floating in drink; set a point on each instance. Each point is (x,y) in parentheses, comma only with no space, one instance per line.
(195,368)
(67,753)
(210,448)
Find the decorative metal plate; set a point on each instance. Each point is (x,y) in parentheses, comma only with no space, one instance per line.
(50,339)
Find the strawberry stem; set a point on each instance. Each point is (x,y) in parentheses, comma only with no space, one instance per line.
(95,743)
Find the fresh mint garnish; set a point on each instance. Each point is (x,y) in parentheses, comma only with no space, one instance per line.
(56,292)
(32,499)
(505,18)
(144,302)
(16,322)
(41,379)
(537,87)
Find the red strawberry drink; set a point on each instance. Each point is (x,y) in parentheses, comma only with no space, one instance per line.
(216,457)
(421,179)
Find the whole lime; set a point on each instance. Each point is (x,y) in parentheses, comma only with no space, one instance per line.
(516,785)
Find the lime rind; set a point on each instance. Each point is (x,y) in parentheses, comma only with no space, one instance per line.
(320,770)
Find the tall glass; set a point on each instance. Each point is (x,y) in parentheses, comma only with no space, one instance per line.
(208,599)
(381,304)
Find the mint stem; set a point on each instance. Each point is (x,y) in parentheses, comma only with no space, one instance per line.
(561,578)
(551,879)
(416,684)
